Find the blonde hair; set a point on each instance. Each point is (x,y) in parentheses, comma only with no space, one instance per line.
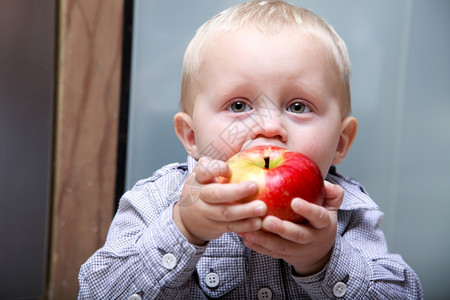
(269,16)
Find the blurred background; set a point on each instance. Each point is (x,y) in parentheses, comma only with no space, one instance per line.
(88,90)
(400,53)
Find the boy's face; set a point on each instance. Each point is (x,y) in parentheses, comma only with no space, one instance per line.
(259,89)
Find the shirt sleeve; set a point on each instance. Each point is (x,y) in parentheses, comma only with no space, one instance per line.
(360,266)
(144,253)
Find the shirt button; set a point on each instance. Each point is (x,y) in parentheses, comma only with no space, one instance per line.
(212,280)
(169,261)
(264,294)
(339,289)
(135,297)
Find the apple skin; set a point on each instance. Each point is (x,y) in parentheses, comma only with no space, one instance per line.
(289,175)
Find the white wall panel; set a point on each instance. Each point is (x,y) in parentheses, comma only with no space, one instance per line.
(400,51)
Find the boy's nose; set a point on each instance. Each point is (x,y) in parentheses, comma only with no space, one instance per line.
(269,125)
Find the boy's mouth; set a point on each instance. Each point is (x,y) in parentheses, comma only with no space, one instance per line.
(262,142)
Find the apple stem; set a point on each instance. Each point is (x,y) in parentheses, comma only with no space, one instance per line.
(266,161)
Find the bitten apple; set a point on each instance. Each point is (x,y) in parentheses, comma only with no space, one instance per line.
(281,176)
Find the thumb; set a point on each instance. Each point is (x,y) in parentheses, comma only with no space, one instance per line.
(334,195)
(207,170)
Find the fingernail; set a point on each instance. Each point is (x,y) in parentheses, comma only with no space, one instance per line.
(260,210)
(297,203)
(269,225)
(253,187)
(257,224)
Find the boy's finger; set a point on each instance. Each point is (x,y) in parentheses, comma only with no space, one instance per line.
(237,212)
(316,215)
(247,225)
(216,193)
(334,195)
(288,230)
(207,170)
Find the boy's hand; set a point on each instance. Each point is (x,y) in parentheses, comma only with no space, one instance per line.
(205,210)
(307,247)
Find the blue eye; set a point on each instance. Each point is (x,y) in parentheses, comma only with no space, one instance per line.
(298,108)
(239,106)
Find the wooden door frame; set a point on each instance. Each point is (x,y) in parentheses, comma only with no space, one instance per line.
(87,119)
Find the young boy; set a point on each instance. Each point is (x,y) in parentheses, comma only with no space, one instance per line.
(260,73)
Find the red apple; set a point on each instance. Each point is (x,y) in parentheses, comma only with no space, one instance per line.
(281,175)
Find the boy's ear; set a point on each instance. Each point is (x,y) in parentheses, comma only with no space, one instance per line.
(183,128)
(349,127)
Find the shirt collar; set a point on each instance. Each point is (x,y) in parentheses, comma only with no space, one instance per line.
(355,196)
(190,163)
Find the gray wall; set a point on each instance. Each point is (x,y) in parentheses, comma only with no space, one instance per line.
(27,30)
(400,52)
